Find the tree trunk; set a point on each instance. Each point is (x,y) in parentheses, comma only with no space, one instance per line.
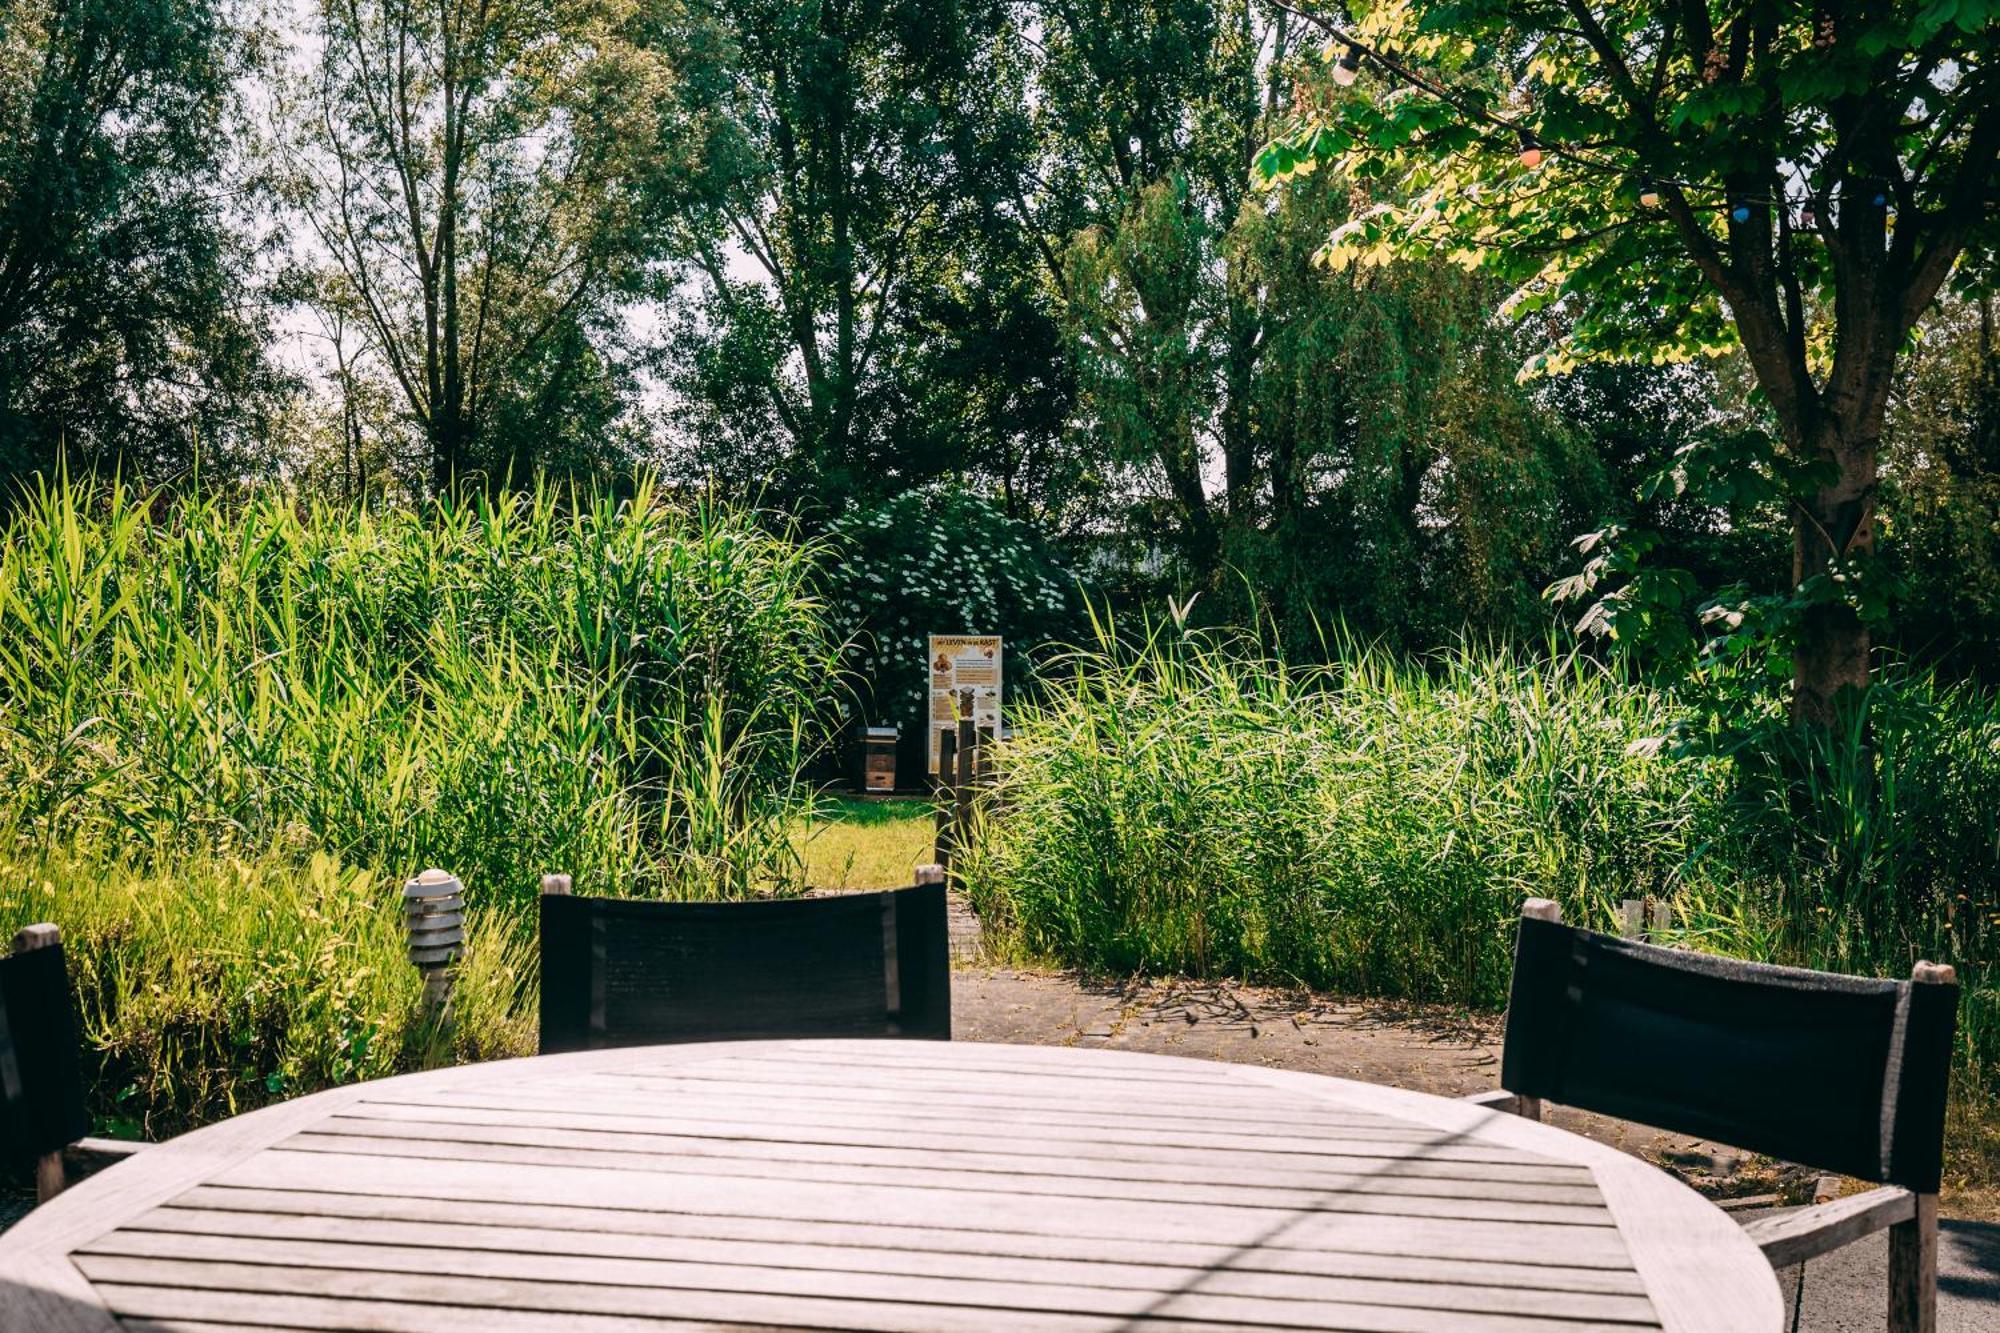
(1238,442)
(1839,522)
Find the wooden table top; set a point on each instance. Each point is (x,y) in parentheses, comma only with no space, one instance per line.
(873,1184)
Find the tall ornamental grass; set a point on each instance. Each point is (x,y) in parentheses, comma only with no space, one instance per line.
(1373,825)
(1370,826)
(626,688)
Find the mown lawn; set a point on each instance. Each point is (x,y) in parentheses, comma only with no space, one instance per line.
(860,844)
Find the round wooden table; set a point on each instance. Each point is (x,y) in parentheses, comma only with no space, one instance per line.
(877,1184)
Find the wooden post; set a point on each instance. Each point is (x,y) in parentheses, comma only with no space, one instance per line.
(556,885)
(1645,918)
(928,872)
(941,845)
(434,915)
(968,774)
(1538,909)
(49,1178)
(1913,1270)
(1913,1244)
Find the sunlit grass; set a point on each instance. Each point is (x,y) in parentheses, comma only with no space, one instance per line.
(860,844)
(212,985)
(625,689)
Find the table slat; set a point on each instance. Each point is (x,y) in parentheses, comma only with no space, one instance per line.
(1523,1244)
(1025,1307)
(1135,1267)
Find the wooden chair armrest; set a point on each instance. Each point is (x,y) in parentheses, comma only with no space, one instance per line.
(1811,1232)
(108,1147)
(1498,1100)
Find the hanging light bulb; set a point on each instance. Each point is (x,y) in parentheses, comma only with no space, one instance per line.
(1649,193)
(1531,150)
(1808,219)
(1348,67)
(1740,213)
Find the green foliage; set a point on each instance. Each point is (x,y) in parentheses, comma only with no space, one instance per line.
(1639,594)
(1714,120)
(622,689)
(474,179)
(1942,465)
(125,334)
(1371,826)
(1137,324)
(851,248)
(1415,488)
(941,561)
(1671,183)
(208,986)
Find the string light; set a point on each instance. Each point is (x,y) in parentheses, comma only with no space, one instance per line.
(1531,150)
(1348,67)
(1740,213)
(1649,193)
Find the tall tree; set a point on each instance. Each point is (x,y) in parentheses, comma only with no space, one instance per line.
(1407,479)
(1797,180)
(470,170)
(129,328)
(870,151)
(1349,442)
(1140,113)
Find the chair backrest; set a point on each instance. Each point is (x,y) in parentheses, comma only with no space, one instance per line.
(41,1084)
(617,972)
(1844,1074)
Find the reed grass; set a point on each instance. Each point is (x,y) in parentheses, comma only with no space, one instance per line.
(1369,826)
(626,689)
(1372,826)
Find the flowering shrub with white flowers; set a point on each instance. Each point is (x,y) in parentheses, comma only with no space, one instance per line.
(940,560)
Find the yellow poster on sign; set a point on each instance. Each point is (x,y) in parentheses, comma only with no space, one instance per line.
(962,664)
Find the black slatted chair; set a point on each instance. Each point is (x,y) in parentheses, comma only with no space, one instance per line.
(617,972)
(41,1081)
(1843,1074)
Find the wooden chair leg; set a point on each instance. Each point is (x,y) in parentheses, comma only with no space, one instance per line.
(1913,1270)
(49,1177)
